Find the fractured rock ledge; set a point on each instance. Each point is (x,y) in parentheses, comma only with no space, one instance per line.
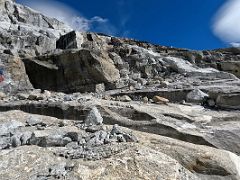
(83,105)
(153,157)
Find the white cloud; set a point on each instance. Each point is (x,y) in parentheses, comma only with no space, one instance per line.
(226,23)
(98,19)
(79,23)
(235,44)
(70,16)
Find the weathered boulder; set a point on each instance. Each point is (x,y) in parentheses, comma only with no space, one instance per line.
(185,67)
(86,40)
(33,121)
(72,71)
(196,96)
(6,131)
(72,40)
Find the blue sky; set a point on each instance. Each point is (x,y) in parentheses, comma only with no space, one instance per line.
(178,23)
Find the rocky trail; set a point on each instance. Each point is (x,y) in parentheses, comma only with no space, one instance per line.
(82,105)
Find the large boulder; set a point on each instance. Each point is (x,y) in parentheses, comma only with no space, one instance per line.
(72,71)
(79,40)
(72,40)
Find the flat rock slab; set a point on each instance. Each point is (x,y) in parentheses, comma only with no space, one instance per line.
(153,157)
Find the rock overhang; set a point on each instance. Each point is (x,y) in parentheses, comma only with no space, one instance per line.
(71,71)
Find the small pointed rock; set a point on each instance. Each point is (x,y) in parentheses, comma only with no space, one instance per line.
(94,117)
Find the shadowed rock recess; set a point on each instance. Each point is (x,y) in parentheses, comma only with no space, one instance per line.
(82,105)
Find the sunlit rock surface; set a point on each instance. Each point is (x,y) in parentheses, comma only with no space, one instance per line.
(82,105)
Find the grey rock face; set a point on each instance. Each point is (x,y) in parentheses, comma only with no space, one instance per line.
(28,29)
(116,63)
(82,40)
(15,78)
(24,32)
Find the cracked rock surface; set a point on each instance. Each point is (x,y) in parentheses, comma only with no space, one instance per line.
(65,151)
(81,105)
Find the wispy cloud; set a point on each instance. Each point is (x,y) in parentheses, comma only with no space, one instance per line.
(226,23)
(70,16)
(124,16)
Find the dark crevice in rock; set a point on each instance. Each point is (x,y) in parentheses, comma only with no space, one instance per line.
(49,24)
(16,14)
(178,116)
(132,114)
(89,37)
(168,131)
(71,113)
(206,166)
(171,95)
(42,77)
(11,19)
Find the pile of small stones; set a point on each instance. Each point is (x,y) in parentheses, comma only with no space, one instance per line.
(92,142)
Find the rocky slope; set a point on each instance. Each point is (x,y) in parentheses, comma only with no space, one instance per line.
(81,105)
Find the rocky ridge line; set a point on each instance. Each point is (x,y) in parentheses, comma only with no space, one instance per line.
(82,105)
